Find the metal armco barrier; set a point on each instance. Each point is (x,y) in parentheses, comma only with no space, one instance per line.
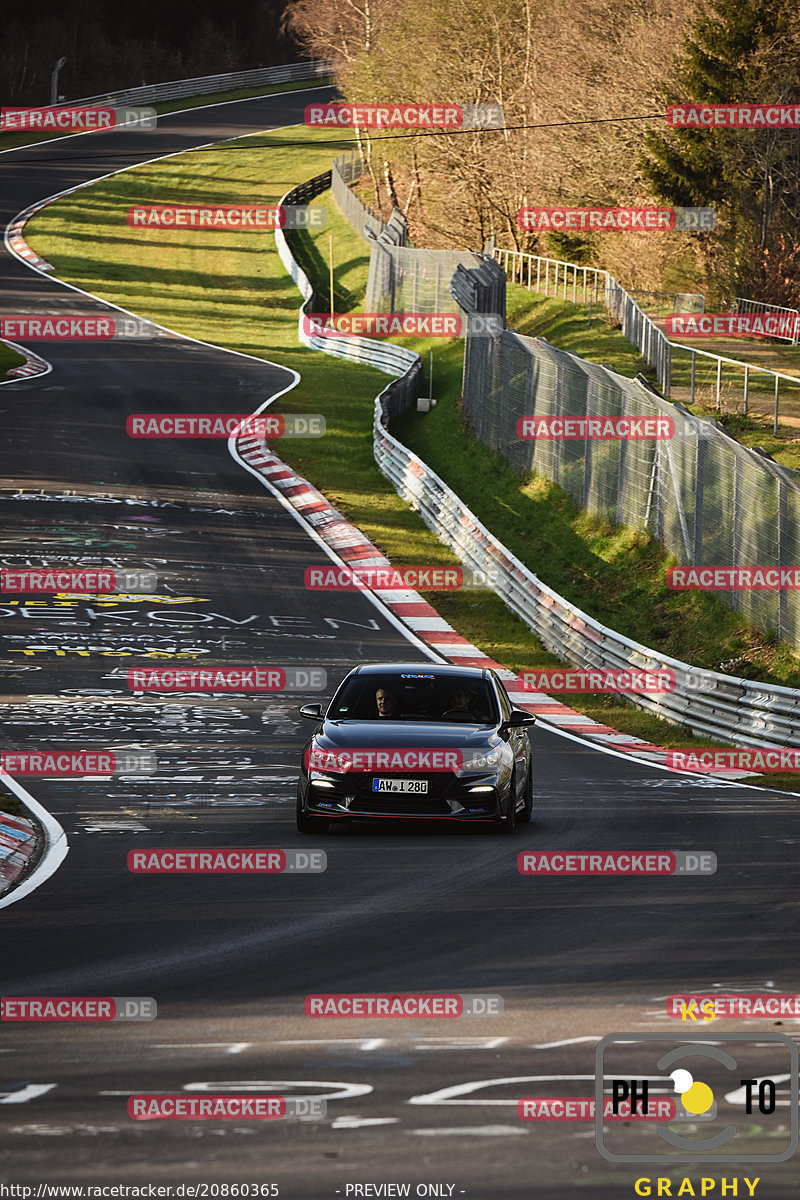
(392,360)
(737,711)
(206,85)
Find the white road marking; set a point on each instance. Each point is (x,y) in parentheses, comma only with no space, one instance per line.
(443,1096)
(567,1042)
(362,1043)
(348,1091)
(357,1122)
(472,1131)
(232,1047)
(29,1092)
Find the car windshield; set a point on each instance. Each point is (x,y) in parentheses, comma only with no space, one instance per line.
(415,696)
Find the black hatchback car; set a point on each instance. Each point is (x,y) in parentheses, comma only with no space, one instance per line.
(417,742)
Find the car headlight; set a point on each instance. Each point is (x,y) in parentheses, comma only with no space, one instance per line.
(480,762)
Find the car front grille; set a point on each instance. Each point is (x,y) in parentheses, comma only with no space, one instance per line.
(401,804)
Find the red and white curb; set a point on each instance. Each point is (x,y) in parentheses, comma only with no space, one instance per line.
(17,241)
(18,842)
(33,365)
(354,547)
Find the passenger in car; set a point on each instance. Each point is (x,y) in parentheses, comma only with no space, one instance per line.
(460,702)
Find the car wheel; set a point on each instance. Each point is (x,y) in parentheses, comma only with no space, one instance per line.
(524,817)
(307,823)
(508,823)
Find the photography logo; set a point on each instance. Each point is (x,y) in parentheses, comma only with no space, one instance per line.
(705,1073)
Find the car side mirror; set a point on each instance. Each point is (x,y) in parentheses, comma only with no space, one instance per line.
(312,712)
(519,718)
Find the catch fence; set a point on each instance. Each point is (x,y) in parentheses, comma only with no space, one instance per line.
(676,365)
(707,499)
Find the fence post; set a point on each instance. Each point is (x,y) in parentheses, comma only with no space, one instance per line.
(784,626)
(691,396)
(699,464)
(719,384)
(777,388)
(746,388)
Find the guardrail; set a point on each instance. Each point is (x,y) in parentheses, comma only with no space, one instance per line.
(740,305)
(206,85)
(639,329)
(404,364)
(740,711)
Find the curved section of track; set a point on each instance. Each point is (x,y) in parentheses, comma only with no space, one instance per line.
(229,959)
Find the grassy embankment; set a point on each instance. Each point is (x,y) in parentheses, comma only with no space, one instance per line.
(9,359)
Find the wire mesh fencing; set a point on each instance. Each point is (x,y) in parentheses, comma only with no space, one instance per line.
(707,499)
(402,278)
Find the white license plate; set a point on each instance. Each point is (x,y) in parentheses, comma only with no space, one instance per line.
(420,786)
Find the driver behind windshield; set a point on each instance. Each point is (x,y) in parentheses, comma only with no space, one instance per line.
(386,703)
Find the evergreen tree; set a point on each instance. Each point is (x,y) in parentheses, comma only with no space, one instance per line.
(734,52)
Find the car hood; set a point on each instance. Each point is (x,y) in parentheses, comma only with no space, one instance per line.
(402,734)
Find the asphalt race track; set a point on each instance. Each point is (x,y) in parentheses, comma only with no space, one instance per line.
(230,959)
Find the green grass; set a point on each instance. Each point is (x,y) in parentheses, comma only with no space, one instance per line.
(9,140)
(11,806)
(230,288)
(9,359)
